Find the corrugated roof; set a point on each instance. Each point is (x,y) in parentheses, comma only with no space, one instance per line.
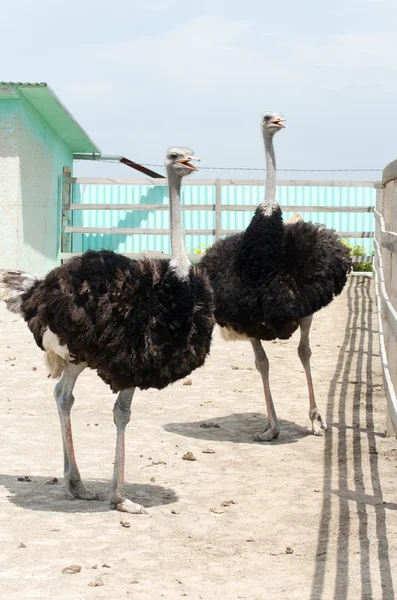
(47,103)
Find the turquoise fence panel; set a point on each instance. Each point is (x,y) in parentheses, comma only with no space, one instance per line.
(205,195)
(142,219)
(306,196)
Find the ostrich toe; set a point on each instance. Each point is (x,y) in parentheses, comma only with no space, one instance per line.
(129,507)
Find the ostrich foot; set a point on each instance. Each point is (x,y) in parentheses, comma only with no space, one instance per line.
(319,426)
(128,506)
(271,433)
(76,489)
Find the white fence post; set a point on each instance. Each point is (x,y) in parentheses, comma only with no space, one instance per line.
(386,286)
(218,209)
(66,238)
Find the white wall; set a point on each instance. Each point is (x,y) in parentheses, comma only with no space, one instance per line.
(32,157)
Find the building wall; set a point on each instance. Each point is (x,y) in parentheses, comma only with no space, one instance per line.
(10,184)
(32,157)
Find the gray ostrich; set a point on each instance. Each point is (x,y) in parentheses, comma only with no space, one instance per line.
(269,280)
(139,323)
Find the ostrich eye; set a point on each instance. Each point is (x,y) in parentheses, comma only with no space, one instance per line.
(173,155)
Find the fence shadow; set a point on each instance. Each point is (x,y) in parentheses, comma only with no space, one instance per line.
(358,341)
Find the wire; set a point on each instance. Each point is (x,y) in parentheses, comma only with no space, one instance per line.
(202,168)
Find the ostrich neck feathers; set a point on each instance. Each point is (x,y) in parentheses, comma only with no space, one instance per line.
(269,202)
(179,260)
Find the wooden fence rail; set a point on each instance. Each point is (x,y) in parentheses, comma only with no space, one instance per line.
(213,207)
(385,272)
(220,182)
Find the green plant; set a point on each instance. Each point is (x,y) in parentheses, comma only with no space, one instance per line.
(353,251)
(200,250)
(359,251)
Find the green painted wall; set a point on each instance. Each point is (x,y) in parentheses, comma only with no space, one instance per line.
(32,157)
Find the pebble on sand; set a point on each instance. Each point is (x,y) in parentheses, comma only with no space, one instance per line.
(71,570)
(189,456)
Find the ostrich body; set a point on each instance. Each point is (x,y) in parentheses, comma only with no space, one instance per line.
(270,279)
(139,323)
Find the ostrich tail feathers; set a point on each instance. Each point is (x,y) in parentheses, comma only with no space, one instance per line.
(13,285)
(55,364)
(294,219)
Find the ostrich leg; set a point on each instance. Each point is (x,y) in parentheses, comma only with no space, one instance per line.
(121,415)
(304,353)
(64,398)
(262,364)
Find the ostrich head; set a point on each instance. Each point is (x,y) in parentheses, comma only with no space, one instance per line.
(271,123)
(178,160)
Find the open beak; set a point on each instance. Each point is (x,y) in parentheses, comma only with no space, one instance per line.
(277,122)
(186,162)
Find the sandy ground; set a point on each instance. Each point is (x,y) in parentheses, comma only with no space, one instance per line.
(331,500)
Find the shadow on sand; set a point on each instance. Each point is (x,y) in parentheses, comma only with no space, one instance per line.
(37,494)
(366,496)
(239,428)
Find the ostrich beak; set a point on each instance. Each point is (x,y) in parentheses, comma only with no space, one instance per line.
(277,122)
(186,162)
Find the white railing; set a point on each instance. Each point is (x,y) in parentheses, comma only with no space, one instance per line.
(385,272)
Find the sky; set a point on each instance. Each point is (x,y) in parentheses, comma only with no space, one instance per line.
(140,76)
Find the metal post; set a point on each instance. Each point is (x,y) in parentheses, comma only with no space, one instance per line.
(66,238)
(218,208)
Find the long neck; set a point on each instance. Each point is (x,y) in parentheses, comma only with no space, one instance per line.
(262,250)
(269,203)
(179,259)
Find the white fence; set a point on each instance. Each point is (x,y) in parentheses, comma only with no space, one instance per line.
(214,207)
(385,272)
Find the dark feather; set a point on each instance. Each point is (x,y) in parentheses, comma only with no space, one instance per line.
(273,274)
(134,321)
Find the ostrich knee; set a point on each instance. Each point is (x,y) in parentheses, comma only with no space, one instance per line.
(63,394)
(262,365)
(304,352)
(121,415)
(64,397)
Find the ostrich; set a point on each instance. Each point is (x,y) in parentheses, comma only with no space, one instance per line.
(271,278)
(139,323)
